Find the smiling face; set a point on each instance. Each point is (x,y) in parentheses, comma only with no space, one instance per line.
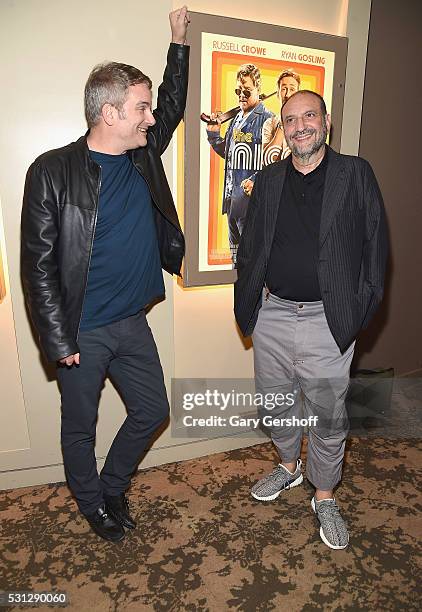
(133,120)
(248,94)
(305,126)
(288,86)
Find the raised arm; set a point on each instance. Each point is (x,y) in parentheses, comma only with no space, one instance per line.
(171,97)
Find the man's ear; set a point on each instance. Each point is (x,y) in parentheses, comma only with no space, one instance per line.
(108,113)
(328,122)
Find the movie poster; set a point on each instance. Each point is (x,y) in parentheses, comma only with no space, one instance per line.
(221,57)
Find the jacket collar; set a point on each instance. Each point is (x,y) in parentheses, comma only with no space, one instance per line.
(277,175)
(332,201)
(93,171)
(334,191)
(82,150)
(258,110)
(137,156)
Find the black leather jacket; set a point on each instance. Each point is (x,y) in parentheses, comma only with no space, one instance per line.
(60,212)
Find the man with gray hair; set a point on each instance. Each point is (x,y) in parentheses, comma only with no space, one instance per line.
(98,226)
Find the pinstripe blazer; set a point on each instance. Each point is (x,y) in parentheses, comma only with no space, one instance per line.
(353,245)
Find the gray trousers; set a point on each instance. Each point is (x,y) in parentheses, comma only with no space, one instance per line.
(295,352)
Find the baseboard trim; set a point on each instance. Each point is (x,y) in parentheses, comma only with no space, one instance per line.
(48,474)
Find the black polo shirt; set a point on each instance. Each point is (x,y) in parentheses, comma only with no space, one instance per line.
(292,267)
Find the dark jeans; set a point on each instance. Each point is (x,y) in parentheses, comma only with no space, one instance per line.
(125,351)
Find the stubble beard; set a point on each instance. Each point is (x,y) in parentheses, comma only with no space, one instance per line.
(305,155)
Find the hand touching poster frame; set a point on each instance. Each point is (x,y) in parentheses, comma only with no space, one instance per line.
(221,161)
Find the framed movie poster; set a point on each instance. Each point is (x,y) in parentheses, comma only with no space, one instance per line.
(241,72)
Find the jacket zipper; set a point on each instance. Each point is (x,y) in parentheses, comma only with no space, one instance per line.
(90,250)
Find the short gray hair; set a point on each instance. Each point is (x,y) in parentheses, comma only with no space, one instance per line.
(108,83)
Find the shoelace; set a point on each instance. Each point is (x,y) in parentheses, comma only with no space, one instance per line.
(276,473)
(329,510)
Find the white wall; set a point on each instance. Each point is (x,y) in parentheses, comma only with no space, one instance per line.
(47,48)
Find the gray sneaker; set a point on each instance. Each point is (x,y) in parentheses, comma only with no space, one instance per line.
(271,486)
(333,530)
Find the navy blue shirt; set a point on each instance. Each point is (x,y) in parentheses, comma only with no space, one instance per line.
(125,269)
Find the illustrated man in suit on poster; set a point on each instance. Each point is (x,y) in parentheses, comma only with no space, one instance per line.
(241,147)
(311,265)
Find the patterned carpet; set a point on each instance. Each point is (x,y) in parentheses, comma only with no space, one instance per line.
(204,544)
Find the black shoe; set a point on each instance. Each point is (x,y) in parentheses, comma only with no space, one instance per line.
(118,507)
(105,526)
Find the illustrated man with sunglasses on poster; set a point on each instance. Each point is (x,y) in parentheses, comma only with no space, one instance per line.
(241,147)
